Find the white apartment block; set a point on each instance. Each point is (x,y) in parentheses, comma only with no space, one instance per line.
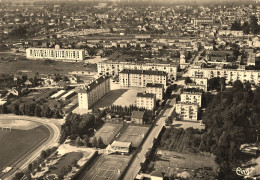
(94,91)
(157,89)
(187,111)
(139,78)
(146,100)
(191,97)
(55,54)
(231,75)
(202,83)
(114,68)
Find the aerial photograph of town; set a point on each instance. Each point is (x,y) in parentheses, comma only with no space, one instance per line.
(129,90)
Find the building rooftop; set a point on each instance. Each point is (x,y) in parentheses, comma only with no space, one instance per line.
(149,72)
(121,144)
(154,85)
(195,93)
(146,95)
(93,84)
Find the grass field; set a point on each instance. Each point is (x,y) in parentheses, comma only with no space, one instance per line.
(107,167)
(108,132)
(134,134)
(15,143)
(65,161)
(30,67)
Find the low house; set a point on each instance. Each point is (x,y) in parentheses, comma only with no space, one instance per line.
(28,83)
(156,175)
(62,84)
(121,147)
(74,79)
(14,92)
(137,117)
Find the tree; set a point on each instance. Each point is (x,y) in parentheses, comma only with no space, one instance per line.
(15,109)
(4,109)
(43,154)
(30,167)
(94,142)
(86,140)
(238,85)
(188,80)
(19,175)
(78,141)
(37,111)
(254,25)
(100,143)
(236,26)
(222,83)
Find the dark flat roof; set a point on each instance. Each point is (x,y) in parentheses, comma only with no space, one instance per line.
(149,72)
(154,85)
(148,95)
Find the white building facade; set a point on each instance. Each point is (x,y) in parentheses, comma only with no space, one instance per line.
(94,91)
(140,78)
(55,54)
(157,89)
(231,75)
(146,100)
(187,111)
(191,97)
(114,68)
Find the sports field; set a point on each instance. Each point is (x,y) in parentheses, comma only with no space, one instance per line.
(134,134)
(16,143)
(107,167)
(108,132)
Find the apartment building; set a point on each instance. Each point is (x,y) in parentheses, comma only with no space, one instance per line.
(55,54)
(187,111)
(202,21)
(114,68)
(157,89)
(94,91)
(191,97)
(146,100)
(231,75)
(140,78)
(198,83)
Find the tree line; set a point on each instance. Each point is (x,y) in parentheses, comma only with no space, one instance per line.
(80,125)
(30,109)
(248,27)
(231,119)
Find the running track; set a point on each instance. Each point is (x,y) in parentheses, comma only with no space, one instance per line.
(53,126)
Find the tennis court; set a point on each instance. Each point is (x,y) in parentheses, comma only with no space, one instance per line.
(108,132)
(134,134)
(107,167)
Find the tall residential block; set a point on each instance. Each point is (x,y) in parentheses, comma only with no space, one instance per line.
(139,78)
(94,91)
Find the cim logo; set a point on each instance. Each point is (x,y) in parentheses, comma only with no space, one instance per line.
(244,171)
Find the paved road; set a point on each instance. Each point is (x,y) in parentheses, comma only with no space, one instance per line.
(140,157)
(54,127)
